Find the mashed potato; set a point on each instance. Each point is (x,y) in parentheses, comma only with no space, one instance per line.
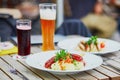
(67,66)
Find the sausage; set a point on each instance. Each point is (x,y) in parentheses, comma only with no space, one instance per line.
(77,57)
(49,62)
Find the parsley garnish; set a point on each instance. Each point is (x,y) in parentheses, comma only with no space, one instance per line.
(60,55)
(93,39)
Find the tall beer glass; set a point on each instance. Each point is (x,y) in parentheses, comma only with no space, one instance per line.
(23,38)
(47,20)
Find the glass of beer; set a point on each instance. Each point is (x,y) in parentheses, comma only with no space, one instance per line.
(47,20)
(23,38)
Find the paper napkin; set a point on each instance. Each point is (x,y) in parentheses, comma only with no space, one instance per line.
(7,48)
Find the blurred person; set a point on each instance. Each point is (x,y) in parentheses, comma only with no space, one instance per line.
(117,5)
(8,16)
(30,10)
(27,8)
(112,8)
(100,23)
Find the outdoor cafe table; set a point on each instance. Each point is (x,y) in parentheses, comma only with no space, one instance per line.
(103,72)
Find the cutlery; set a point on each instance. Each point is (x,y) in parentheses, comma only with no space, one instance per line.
(15,72)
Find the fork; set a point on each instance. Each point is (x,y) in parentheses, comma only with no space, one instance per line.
(15,72)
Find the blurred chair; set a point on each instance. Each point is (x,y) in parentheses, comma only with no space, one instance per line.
(73,27)
(7,27)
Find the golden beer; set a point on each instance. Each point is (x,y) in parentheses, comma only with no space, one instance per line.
(47,20)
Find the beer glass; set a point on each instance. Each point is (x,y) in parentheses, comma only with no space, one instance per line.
(23,38)
(47,20)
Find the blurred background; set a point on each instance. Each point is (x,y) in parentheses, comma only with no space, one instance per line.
(100,17)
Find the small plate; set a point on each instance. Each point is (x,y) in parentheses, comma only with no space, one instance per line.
(71,44)
(38,60)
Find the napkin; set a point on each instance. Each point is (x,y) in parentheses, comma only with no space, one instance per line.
(7,48)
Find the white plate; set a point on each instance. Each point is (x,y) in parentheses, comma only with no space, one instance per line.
(37,39)
(38,60)
(71,44)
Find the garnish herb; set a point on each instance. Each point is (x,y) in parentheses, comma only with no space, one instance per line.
(60,55)
(93,39)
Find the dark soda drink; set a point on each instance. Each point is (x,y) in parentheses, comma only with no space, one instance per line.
(23,36)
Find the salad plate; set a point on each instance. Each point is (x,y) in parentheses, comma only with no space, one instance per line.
(38,61)
(72,43)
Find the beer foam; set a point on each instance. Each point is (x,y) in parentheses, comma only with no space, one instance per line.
(24,27)
(48,14)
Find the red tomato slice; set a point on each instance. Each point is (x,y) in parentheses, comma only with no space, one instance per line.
(102,45)
(49,62)
(77,57)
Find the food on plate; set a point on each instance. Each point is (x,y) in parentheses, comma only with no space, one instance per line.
(64,60)
(92,45)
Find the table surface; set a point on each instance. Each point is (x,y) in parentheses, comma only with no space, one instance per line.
(103,72)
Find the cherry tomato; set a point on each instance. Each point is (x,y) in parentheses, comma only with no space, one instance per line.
(102,45)
(49,62)
(77,57)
